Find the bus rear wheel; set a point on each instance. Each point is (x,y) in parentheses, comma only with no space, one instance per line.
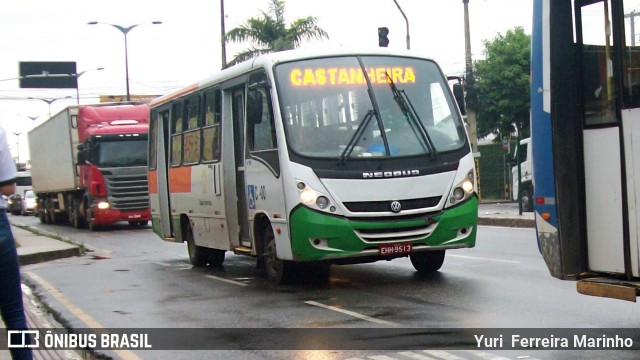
(427,262)
(197,254)
(278,271)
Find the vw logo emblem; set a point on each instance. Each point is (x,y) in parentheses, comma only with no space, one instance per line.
(396,206)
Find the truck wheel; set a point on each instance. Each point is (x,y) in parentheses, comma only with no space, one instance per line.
(76,217)
(41,212)
(278,271)
(527,203)
(428,261)
(50,215)
(197,254)
(88,218)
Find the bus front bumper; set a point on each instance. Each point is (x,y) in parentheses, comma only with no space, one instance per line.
(317,236)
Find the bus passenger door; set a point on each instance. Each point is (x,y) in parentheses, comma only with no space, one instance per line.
(239,157)
(162,176)
(603,159)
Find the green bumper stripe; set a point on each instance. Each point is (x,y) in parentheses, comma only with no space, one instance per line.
(337,236)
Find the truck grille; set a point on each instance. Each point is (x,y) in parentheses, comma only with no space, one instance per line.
(128,192)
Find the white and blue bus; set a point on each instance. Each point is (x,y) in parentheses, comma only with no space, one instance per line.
(303,160)
(585,130)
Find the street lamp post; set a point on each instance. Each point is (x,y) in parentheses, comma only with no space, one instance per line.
(125,31)
(407,21)
(49,101)
(77,76)
(33,119)
(17,134)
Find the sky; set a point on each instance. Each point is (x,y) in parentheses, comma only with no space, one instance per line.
(186,47)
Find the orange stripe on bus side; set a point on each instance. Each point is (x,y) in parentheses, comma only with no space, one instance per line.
(153,181)
(180,179)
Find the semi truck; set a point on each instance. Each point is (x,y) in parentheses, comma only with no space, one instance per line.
(88,165)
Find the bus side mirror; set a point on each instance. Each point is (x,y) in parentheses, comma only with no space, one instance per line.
(458,94)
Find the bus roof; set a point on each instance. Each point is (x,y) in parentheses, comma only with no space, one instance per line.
(272,59)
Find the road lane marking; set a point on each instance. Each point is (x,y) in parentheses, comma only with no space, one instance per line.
(352,313)
(484,259)
(226,280)
(443,355)
(162,264)
(486,355)
(79,313)
(412,355)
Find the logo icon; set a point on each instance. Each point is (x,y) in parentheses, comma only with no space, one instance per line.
(396,206)
(23,339)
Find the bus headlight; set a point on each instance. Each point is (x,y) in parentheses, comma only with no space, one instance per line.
(463,190)
(315,199)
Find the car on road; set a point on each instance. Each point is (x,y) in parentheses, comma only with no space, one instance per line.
(28,203)
(14,204)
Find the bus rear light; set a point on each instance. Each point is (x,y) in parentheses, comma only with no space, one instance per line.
(545,216)
(540,200)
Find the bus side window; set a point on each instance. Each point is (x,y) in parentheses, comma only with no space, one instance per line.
(191,135)
(261,130)
(176,134)
(211,126)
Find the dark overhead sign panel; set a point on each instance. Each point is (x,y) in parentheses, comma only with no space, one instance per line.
(50,75)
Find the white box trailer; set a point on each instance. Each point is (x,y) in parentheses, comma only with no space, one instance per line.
(53,150)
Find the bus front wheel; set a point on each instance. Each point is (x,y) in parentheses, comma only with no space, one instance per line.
(428,261)
(278,271)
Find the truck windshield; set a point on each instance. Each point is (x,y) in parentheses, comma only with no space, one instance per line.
(367,107)
(121,153)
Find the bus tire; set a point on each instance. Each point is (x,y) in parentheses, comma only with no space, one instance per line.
(197,254)
(428,261)
(278,271)
(215,257)
(526,199)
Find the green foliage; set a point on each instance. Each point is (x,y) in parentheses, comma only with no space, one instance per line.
(493,172)
(269,33)
(502,84)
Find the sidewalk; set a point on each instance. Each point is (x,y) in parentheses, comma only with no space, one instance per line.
(504,214)
(35,247)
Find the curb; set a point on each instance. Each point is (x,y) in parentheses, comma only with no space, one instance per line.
(510,222)
(74,248)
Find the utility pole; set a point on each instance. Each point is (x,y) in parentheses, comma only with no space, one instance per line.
(632,16)
(471,114)
(223,33)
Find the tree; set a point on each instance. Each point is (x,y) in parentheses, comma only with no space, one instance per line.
(269,33)
(502,85)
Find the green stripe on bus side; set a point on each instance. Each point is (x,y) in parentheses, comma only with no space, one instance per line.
(342,241)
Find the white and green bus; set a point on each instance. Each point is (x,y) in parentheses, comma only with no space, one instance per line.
(304,160)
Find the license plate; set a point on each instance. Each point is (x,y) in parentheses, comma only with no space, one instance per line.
(396,249)
(136,216)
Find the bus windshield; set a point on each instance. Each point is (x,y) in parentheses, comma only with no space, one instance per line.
(367,106)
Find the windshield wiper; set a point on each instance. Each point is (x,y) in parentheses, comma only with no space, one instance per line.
(356,136)
(403,101)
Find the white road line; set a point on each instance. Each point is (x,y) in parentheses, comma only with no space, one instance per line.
(412,355)
(484,259)
(381,357)
(486,355)
(443,355)
(226,280)
(162,264)
(352,313)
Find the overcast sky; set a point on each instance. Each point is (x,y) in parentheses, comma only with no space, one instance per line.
(186,47)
